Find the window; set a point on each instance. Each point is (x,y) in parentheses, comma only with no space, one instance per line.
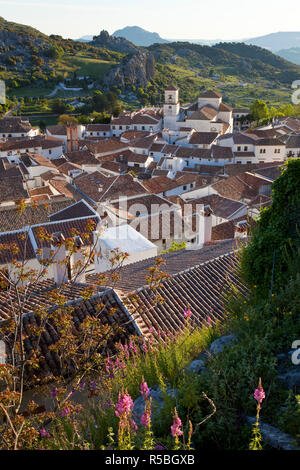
(239,149)
(50,152)
(170,107)
(184,188)
(91,133)
(245,149)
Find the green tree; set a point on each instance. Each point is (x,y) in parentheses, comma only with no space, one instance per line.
(260,111)
(273,253)
(58,106)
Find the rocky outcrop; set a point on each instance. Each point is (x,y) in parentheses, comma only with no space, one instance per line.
(219,344)
(137,70)
(114,43)
(156,405)
(197,367)
(291,379)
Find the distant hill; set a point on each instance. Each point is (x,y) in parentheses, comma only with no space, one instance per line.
(31,61)
(87,38)
(293,54)
(276,41)
(139,36)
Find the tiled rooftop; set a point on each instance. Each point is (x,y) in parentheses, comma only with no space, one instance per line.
(133,276)
(203,288)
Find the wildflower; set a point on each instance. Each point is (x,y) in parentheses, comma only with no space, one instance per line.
(159,448)
(144,389)
(175,428)
(54,392)
(124,405)
(64,413)
(92,385)
(145,419)
(259,393)
(187,313)
(209,320)
(44,433)
(134,426)
(108,404)
(132,347)
(144,347)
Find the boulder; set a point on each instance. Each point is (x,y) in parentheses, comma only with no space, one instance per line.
(197,367)
(157,402)
(219,344)
(291,378)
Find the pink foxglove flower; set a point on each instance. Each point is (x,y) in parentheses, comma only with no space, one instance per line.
(124,405)
(176,426)
(145,419)
(144,389)
(44,433)
(187,313)
(259,393)
(134,426)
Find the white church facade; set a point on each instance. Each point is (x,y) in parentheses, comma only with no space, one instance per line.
(208,114)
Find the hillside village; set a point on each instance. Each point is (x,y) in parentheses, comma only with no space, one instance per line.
(185,183)
(173,175)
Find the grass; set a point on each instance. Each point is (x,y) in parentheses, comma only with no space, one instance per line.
(30,92)
(84,66)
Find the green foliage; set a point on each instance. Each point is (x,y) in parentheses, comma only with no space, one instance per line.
(289,419)
(175,247)
(260,111)
(274,249)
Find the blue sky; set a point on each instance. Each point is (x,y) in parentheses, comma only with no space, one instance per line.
(190,19)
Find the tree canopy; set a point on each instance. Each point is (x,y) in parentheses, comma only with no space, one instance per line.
(273,252)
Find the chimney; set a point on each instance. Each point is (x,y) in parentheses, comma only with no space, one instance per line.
(207,224)
(241,229)
(78,261)
(60,269)
(72,138)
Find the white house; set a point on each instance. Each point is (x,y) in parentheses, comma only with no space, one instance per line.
(209,114)
(125,239)
(12,127)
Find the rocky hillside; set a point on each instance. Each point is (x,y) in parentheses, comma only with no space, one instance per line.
(137,70)
(118,44)
(31,59)
(237,59)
